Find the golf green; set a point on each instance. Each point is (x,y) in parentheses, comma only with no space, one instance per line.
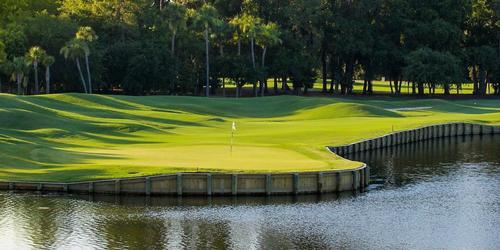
(75,137)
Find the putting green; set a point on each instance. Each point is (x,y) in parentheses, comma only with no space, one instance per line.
(73,137)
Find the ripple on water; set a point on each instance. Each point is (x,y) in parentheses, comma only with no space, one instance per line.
(449,198)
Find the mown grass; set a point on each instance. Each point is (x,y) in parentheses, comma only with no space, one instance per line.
(73,137)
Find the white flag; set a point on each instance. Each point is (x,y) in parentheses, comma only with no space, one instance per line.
(234,126)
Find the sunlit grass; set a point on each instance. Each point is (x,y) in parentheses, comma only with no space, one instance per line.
(72,137)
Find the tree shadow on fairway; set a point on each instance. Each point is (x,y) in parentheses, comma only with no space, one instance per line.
(437,105)
(98,113)
(22,155)
(54,174)
(47,162)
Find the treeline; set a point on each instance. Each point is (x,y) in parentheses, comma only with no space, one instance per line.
(146,47)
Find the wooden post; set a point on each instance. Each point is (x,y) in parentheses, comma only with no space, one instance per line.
(320,182)
(179,184)
(209,184)
(148,186)
(269,184)
(117,187)
(355,180)
(296,183)
(234,184)
(337,177)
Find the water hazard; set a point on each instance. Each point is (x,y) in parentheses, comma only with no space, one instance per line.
(437,194)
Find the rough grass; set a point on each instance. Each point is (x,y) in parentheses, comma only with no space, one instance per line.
(73,137)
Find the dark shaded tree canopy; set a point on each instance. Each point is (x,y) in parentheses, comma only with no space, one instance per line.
(194,47)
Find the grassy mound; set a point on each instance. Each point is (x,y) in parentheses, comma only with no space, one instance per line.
(72,137)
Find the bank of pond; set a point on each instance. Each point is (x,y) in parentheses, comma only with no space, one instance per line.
(262,184)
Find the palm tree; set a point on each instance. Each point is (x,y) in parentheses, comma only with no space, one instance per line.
(249,26)
(268,35)
(75,50)
(34,55)
(19,67)
(237,35)
(3,59)
(86,35)
(176,21)
(207,17)
(47,61)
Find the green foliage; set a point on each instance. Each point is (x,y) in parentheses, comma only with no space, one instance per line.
(48,60)
(3,55)
(74,49)
(86,34)
(35,55)
(250,41)
(425,66)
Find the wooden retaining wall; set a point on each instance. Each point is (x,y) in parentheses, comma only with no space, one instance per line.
(415,135)
(212,184)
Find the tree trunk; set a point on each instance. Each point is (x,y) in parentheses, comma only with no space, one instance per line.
(324,71)
(349,77)
(481,82)
(223,87)
(253,63)
(421,89)
(264,51)
(172,44)
(284,85)
(37,87)
(47,80)
(446,89)
(390,84)
(19,79)
(253,51)
(367,79)
(275,85)
(475,81)
(88,72)
(264,76)
(81,75)
(400,83)
(238,89)
(397,87)
(239,45)
(207,86)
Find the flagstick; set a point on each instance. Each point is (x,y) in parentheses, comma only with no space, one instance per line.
(233,128)
(232,136)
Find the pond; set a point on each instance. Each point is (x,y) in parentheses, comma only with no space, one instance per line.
(443,193)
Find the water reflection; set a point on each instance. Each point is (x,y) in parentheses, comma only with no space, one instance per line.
(439,194)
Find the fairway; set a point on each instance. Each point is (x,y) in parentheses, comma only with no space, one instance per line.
(75,137)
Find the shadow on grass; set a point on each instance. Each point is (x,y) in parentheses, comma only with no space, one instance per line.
(54,175)
(94,113)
